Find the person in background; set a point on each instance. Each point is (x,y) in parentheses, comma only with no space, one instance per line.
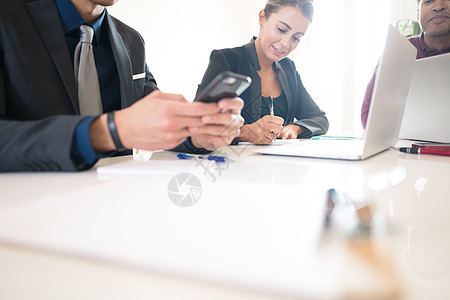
(434,19)
(276,104)
(47,121)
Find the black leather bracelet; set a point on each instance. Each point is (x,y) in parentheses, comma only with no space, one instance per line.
(188,143)
(113,131)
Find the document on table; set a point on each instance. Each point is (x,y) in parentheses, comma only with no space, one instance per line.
(244,234)
(277,142)
(149,167)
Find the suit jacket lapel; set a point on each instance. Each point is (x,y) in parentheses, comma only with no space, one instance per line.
(46,17)
(284,81)
(123,62)
(253,107)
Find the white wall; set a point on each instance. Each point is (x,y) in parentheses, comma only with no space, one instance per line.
(181,34)
(403,9)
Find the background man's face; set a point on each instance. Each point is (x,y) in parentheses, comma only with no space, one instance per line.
(434,17)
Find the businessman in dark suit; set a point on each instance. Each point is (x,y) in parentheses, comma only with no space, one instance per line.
(41,128)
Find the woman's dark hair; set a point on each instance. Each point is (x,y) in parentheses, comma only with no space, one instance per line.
(306,6)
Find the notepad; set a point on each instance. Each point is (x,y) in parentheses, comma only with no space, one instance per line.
(242,234)
(276,142)
(149,167)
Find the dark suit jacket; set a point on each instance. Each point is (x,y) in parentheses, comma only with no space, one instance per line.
(38,96)
(302,110)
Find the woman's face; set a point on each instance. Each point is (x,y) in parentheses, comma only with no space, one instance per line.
(281,32)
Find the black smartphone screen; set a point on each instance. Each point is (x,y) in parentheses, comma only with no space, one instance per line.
(224,85)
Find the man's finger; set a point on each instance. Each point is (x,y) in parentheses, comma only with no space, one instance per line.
(233,105)
(196,109)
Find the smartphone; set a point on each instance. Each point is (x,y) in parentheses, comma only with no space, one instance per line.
(224,85)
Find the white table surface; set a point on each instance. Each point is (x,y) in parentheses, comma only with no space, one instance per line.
(50,226)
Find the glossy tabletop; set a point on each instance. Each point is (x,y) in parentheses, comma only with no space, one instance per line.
(255,229)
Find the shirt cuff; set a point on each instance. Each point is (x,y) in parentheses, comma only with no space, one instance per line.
(193,149)
(83,155)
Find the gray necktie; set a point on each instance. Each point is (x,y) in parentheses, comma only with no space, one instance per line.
(86,74)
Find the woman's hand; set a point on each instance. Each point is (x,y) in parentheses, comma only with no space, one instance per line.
(290,131)
(263,131)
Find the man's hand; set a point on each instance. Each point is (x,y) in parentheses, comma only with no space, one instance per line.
(158,121)
(221,127)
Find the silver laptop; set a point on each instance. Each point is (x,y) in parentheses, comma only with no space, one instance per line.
(426,113)
(387,106)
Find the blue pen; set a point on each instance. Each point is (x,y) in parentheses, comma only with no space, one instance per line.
(214,158)
(184,156)
(209,157)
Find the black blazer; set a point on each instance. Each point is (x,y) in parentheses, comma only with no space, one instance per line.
(39,108)
(302,110)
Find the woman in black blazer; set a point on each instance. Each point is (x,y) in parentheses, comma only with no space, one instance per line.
(277,104)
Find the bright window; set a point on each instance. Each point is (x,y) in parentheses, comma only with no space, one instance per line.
(336,58)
